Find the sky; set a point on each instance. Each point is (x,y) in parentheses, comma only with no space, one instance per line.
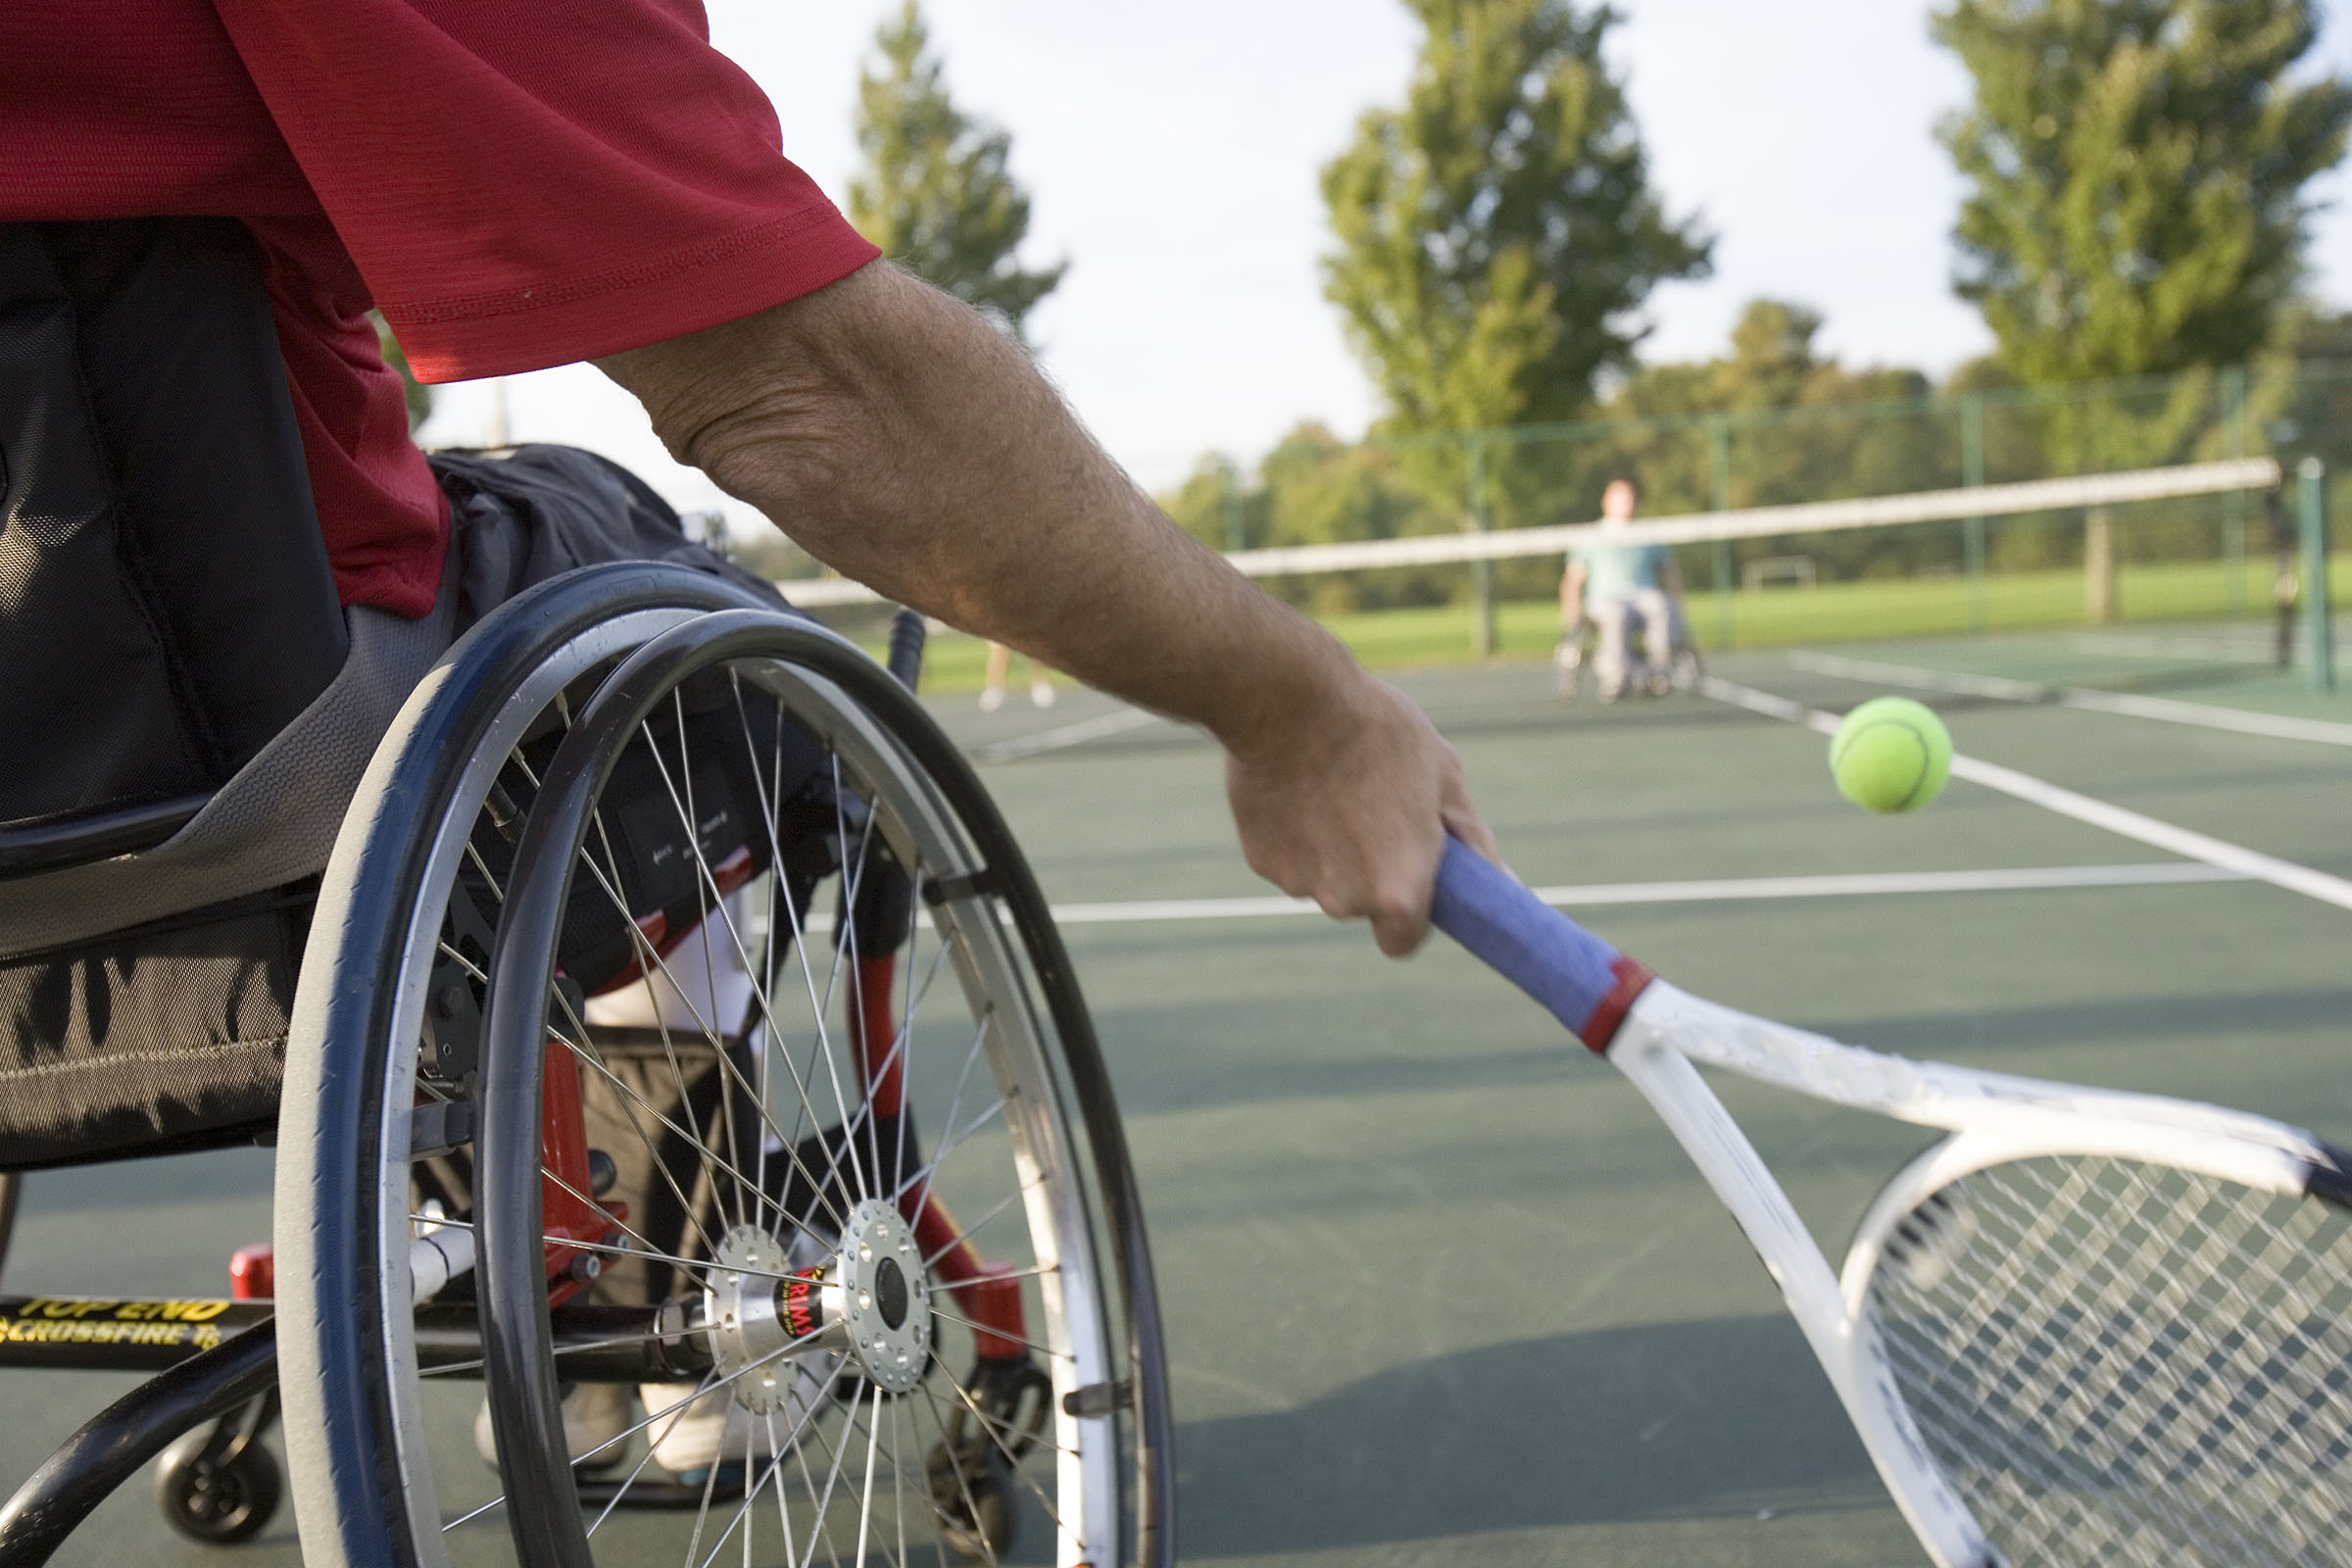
(1171,154)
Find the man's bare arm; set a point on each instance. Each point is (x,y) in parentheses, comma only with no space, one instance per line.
(906,443)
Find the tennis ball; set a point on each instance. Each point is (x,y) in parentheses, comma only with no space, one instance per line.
(1890,755)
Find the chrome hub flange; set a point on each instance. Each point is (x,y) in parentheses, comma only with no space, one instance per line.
(747,1312)
(879,1294)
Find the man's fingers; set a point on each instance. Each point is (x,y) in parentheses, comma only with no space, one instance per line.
(1463,820)
(1397,935)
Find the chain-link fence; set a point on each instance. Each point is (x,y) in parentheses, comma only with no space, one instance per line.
(2200,555)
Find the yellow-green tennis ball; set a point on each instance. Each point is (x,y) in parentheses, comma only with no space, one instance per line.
(1890,755)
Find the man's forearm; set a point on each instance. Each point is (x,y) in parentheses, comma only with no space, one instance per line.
(900,438)
(903,441)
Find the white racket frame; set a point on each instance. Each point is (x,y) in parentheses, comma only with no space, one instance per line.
(1993,1117)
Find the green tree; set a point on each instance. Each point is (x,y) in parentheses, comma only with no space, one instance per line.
(1774,420)
(2137,173)
(1497,234)
(937,194)
(417,395)
(1316,489)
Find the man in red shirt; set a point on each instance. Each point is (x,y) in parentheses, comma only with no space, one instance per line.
(516,187)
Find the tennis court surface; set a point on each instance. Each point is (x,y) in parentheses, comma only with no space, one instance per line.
(1437,1287)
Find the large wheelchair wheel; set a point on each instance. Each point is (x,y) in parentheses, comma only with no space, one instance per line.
(349,1126)
(881,1284)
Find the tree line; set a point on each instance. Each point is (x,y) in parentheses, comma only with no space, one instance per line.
(2136,212)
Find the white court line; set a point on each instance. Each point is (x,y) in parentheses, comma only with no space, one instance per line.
(2050,797)
(1053,740)
(1721,890)
(2275,726)
(2229,652)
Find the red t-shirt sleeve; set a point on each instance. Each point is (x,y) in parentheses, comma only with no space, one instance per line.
(523,184)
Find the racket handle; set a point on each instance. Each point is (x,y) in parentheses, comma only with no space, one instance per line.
(1580,979)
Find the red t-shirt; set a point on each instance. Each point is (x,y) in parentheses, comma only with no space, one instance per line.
(515,184)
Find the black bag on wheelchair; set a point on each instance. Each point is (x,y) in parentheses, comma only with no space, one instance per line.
(185,709)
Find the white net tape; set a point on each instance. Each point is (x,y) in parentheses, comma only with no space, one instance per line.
(2118,1363)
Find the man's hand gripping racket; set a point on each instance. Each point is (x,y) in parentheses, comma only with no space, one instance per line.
(2085,1328)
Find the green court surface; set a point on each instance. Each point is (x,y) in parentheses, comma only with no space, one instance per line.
(1437,1287)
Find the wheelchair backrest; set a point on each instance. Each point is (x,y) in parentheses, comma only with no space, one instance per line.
(166,602)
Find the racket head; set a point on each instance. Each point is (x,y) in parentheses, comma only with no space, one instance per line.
(2119,1344)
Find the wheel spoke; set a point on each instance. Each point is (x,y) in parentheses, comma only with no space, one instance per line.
(971,1504)
(971,1230)
(1012,1463)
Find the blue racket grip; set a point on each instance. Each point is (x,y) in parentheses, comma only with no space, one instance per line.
(1580,979)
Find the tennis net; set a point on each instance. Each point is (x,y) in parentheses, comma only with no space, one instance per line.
(2183,541)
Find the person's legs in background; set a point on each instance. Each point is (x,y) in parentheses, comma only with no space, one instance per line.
(1609,649)
(1000,670)
(1657,636)
(992,688)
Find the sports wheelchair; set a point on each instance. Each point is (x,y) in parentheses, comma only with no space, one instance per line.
(689,1136)
(1578,651)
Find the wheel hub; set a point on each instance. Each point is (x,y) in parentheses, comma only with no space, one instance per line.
(748,1308)
(881,1298)
(871,1300)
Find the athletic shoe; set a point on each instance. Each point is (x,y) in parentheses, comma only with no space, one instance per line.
(715,1430)
(1041,693)
(594,1415)
(991,697)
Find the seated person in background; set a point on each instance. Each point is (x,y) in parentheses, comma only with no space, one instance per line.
(1614,582)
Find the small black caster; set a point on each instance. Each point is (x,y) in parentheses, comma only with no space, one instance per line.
(219,1483)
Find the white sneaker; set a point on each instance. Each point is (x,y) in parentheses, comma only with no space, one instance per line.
(991,697)
(715,1430)
(1041,693)
(594,1415)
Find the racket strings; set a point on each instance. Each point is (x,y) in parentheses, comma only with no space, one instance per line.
(2121,1363)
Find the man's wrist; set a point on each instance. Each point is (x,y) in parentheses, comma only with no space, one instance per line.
(1317,703)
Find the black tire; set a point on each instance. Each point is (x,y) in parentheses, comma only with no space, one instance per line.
(355,1450)
(219,1499)
(1082,1430)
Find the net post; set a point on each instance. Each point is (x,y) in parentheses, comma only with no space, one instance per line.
(2233,505)
(1972,530)
(1482,570)
(1719,459)
(2318,632)
(2098,567)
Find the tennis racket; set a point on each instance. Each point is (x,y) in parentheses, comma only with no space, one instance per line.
(2086,1327)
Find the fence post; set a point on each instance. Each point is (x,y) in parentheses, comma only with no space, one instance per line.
(1482,573)
(1237,533)
(2234,504)
(2098,567)
(2319,630)
(1972,530)
(1719,457)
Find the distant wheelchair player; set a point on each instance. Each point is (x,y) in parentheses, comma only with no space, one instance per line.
(1614,592)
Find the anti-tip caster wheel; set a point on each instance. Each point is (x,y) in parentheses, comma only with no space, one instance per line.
(216,1493)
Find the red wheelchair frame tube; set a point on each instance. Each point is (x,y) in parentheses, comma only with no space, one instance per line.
(988,1292)
(568,1209)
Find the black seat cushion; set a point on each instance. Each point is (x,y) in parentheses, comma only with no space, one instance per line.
(166,601)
